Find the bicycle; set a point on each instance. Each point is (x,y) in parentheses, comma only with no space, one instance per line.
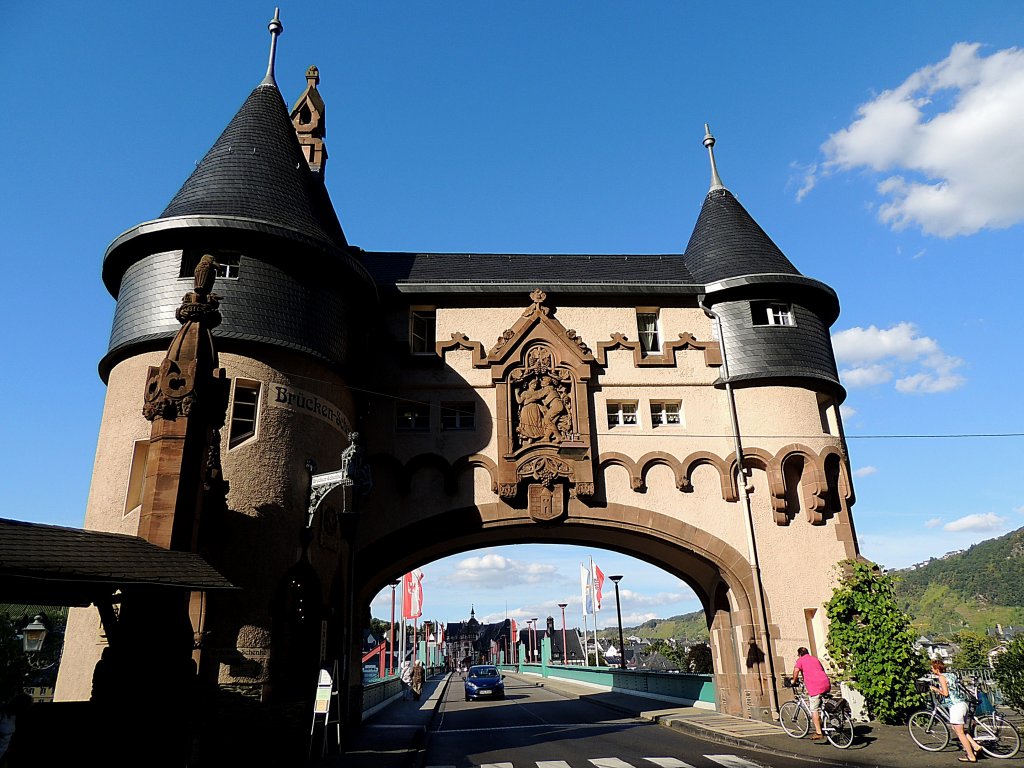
(795,716)
(929,727)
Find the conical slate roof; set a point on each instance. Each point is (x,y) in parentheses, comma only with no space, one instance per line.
(256,171)
(727,242)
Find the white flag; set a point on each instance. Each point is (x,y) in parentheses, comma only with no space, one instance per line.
(585,587)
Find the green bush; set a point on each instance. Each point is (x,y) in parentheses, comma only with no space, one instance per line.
(1009,669)
(871,640)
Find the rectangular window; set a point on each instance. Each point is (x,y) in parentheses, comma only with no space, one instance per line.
(412,417)
(244,412)
(227,263)
(647,329)
(665,413)
(137,476)
(422,324)
(622,415)
(771,313)
(455,416)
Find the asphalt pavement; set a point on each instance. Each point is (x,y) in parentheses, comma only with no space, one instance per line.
(396,736)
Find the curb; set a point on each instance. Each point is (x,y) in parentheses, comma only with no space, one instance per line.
(421,752)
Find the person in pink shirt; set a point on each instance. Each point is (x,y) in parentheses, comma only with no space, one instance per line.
(816,682)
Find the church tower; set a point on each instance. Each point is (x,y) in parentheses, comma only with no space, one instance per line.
(289,289)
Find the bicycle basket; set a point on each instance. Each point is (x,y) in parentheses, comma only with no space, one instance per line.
(984,704)
(922,686)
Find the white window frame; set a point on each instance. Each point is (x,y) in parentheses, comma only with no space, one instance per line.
(619,412)
(780,314)
(422,344)
(663,410)
(136,489)
(654,348)
(248,384)
(462,416)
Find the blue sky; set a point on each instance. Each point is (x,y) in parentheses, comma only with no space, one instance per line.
(879,144)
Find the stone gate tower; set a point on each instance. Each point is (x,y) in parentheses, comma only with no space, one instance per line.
(682,408)
(289,287)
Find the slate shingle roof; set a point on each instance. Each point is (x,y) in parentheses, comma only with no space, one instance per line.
(256,171)
(46,559)
(390,269)
(727,242)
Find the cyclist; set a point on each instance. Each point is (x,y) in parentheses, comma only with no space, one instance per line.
(949,687)
(816,682)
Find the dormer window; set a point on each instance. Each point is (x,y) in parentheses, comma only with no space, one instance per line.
(422,321)
(772,313)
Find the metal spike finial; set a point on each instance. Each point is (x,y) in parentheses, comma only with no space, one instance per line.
(709,142)
(276,28)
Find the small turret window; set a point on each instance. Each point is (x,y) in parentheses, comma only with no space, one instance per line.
(227,263)
(772,313)
(412,417)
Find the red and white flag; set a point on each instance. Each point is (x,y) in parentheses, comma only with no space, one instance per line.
(598,585)
(412,594)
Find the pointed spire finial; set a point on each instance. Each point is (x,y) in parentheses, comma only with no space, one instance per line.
(709,142)
(276,28)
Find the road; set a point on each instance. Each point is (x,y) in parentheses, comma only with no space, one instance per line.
(533,726)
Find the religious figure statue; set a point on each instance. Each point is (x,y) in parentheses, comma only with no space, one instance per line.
(544,404)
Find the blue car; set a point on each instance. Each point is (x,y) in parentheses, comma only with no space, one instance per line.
(484,681)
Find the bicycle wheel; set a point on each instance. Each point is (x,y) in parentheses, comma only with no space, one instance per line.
(928,730)
(996,737)
(840,731)
(794,719)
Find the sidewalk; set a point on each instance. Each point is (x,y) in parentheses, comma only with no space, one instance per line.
(395,736)
(874,746)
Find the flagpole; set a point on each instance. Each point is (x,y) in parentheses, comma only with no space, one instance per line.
(593,602)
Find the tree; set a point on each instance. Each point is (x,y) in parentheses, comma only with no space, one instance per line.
(974,648)
(872,641)
(698,659)
(14,667)
(1009,669)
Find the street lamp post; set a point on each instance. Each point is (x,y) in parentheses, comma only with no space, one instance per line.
(618,612)
(565,650)
(391,637)
(34,634)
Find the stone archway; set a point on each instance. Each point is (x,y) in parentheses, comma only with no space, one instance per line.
(719,575)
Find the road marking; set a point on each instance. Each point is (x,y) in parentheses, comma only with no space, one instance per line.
(496,765)
(668,762)
(732,761)
(545,726)
(610,762)
(552,764)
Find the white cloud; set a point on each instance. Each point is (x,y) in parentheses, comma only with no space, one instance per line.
(935,522)
(865,471)
(978,522)
(948,141)
(848,411)
(493,571)
(1019,510)
(875,356)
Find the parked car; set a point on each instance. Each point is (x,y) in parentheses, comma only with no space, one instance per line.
(484,681)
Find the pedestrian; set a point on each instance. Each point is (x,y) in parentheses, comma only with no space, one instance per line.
(816,682)
(405,675)
(950,688)
(419,675)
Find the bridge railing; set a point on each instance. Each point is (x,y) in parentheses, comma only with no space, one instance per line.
(692,689)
